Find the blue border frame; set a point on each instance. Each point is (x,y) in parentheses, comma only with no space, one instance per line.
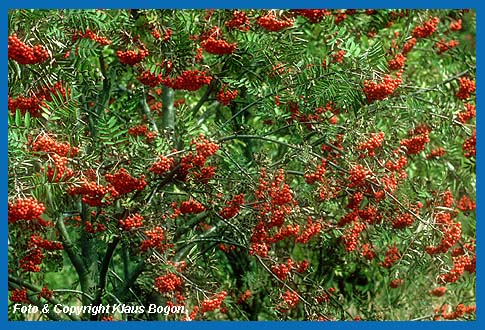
(187,4)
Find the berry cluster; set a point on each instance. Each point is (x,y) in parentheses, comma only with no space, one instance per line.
(358,175)
(392,255)
(456,25)
(34,103)
(313,15)
(25,209)
(459,311)
(311,229)
(239,21)
(131,57)
(124,183)
(190,80)
(436,153)
(403,220)
(214,303)
(470,145)
(270,22)
(340,17)
(233,207)
(426,29)
(167,35)
(204,174)
(311,178)
(379,91)
(225,97)
(290,298)
(351,235)
(438,292)
(94,194)
(204,149)
(162,165)
(46,143)
(443,46)
(374,142)
(415,144)
(191,206)
(355,201)
(409,45)
(154,240)
(467,86)
(281,270)
(93,229)
(396,283)
(447,198)
(23,54)
(31,261)
(91,35)
(466,204)
(218,46)
(244,296)
(45,293)
(397,63)
(132,221)
(467,114)
(142,130)
(460,264)
(451,232)
(368,252)
(168,283)
(198,55)
(155,33)
(150,79)
(19,296)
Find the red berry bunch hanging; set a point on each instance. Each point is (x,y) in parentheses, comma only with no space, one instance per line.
(155,33)
(368,252)
(409,45)
(290,298)
(426,29)
(190,80)
(218,46)
(91,35)
(213,303)
(392,255)
(167,34)
(396,283)
(225,97)
(239,21)
(131,57)
(351,235)
(358,175)
(45,293)
(124,183)
(467,86)
(311,178)
(339,17)
(233,207)
(46,143)
(270,22)
(60,171)
(374,142)
(142,130)
(467,114)
(25,209)
(150,79)
(31,261)
(19,296)
(397,63)
(132,221)
(34,103)
(94,194)
(162,165)
(379,91)
(438,292)
(451,232)
(443,46)
(470,145)
(311,229)
(313,15)
(204,149)
(168,283)
(191,206)
(244,296)
(281,271)
(415,144)
(459,311)
(37,241)
(403,220)
(456,25)
(154,240)
(436,153)
(23,54)
(466,204)
(460,263)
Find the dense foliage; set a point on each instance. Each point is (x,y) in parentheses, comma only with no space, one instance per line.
(243,164)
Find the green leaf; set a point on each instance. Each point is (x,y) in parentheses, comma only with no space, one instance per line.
(27,120)
(18,118)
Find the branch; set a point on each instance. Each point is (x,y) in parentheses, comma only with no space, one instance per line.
(69,248)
